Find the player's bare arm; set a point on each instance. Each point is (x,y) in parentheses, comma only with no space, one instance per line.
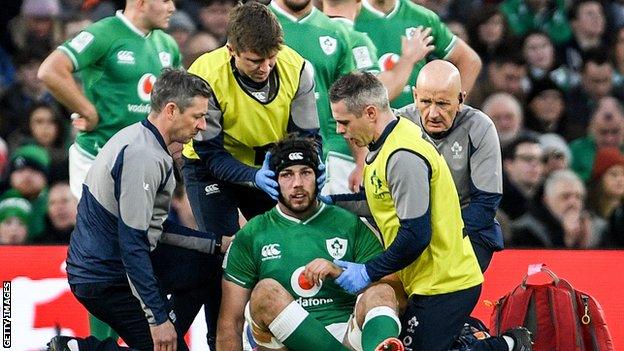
(468,63)
(413,49)
(231,316)
(56,73)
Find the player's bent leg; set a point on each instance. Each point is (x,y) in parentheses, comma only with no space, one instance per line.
(376,313)
(272,308)
(115,305)
(434,322)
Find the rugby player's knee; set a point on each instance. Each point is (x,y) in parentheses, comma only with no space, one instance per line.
(379,295)
(268,299)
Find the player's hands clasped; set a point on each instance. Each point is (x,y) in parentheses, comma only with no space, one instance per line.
(164,337)
(265,178)
(353,278)
(319,269)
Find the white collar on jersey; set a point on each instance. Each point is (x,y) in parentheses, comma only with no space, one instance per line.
(344,20)
(119,14)
(297,220)
(283,12)
(370,8)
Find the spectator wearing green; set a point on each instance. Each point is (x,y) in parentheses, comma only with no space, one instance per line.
(14,218)
(28,171)
(549,16)
(606,129)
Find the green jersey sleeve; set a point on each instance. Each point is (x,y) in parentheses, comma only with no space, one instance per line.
(347,62)
(367,245)
(443,39)
(239,266)
(364,52)
(87,47)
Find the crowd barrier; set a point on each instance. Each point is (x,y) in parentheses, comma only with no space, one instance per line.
(37,302)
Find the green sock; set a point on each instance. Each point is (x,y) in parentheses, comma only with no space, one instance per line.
(100,329)
(296,329)
(380,324)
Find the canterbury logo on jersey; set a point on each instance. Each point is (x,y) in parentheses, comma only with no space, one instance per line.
(125,57)
(294,156)
(271,252)
(212,189)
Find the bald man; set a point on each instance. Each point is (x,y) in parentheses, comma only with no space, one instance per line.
(467,139)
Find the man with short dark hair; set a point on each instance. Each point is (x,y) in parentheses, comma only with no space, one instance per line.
(261,91)
(522,174)
(596,82)
(124,256)
(410,192)
(279,275)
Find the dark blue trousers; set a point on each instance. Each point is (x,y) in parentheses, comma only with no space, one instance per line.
(215,205)
(483,252)
(181,273)
(434,322)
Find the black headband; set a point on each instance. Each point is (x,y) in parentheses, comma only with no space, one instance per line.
(294,152)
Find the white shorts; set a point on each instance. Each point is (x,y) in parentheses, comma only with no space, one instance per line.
(348,333)
(338,168)
(79,164)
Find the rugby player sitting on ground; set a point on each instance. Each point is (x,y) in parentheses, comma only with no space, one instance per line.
(279,275)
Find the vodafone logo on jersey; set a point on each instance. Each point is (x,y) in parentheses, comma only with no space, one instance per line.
(145,86)
(387,61)
(301,286)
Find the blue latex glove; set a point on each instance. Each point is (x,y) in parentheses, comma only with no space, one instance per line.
(353,278)
(320,181)
(264,178)
(325,198)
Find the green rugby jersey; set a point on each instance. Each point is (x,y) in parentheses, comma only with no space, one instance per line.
(386,32)
(274,245)
(362,47)
(325,44)
(118,66)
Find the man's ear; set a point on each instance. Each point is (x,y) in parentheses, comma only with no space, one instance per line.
(371,112)
(230,49)
(414,95)
(169,110)
(462,97)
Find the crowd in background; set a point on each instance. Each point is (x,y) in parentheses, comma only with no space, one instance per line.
(552,82)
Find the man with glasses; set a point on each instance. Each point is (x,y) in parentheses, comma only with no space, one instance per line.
(558,218)
(522,174)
